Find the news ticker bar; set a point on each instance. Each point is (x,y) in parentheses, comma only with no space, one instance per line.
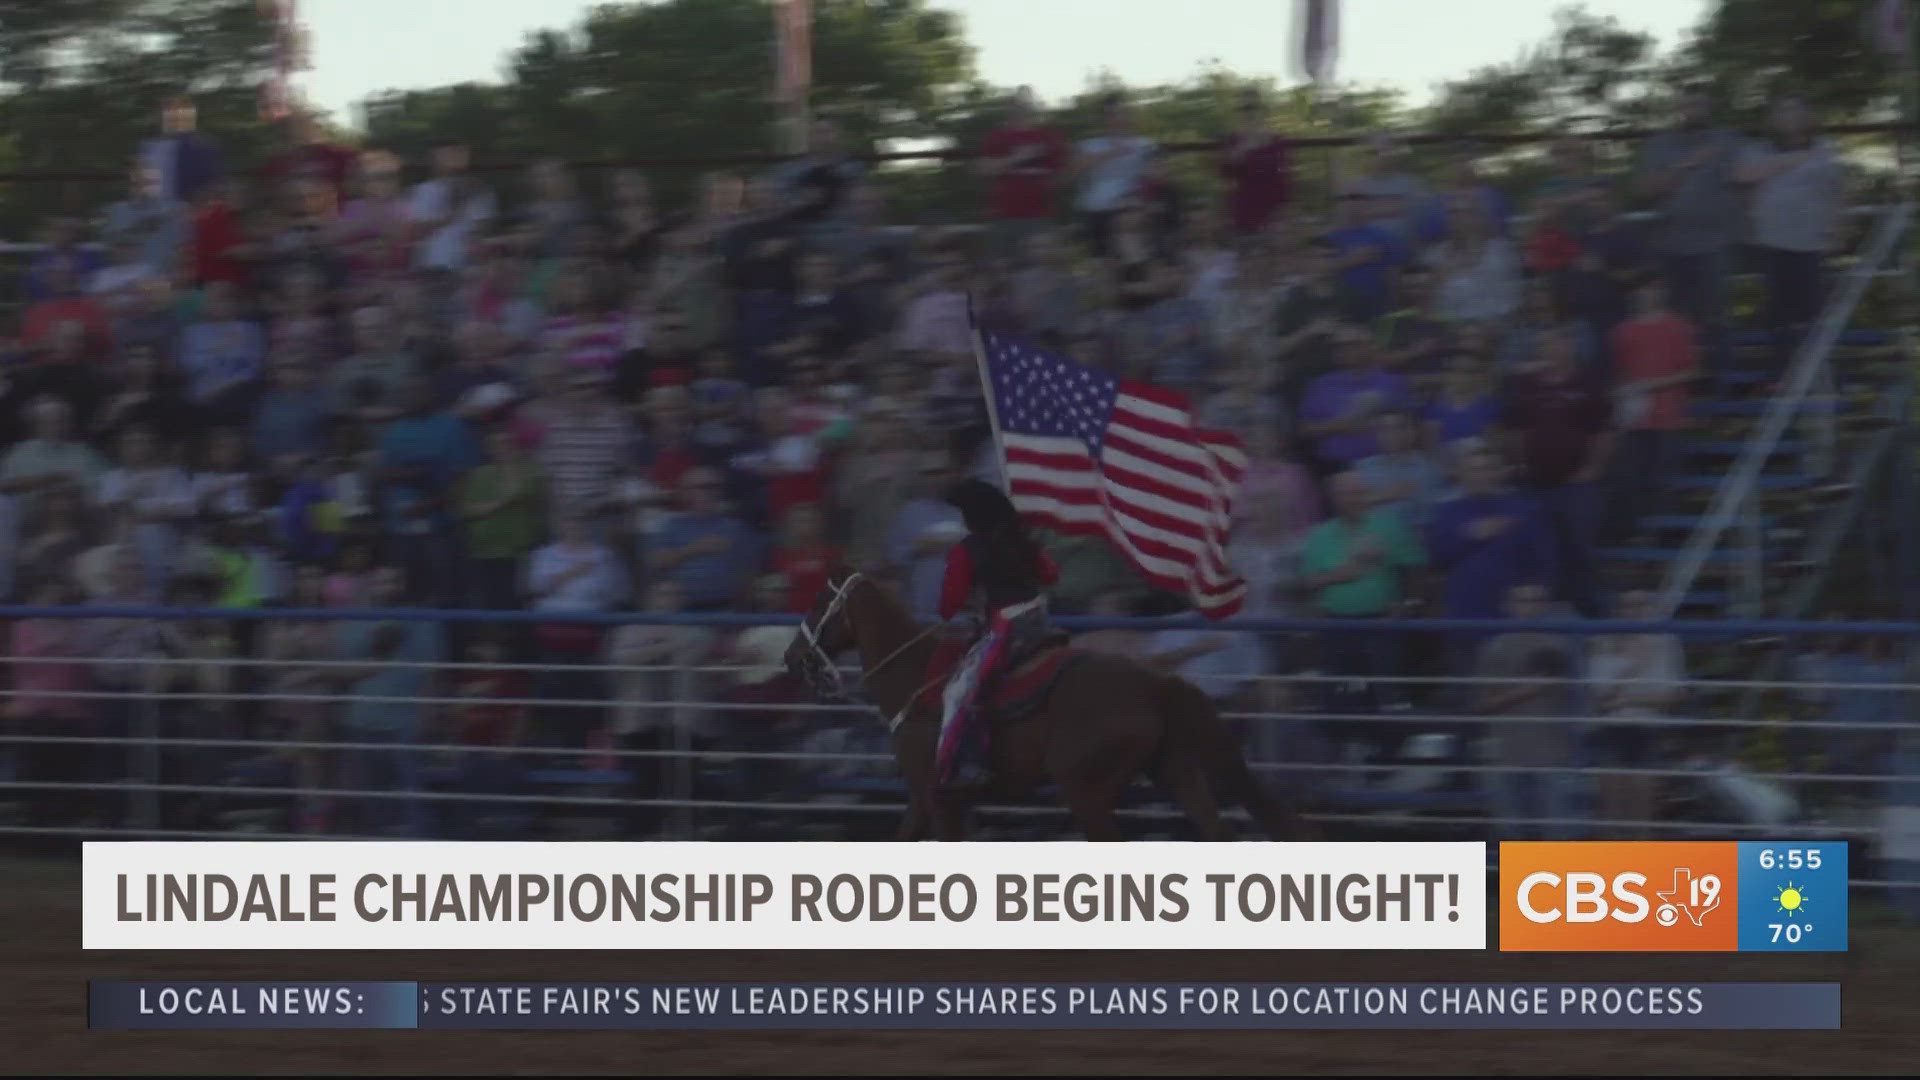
(1600,896)
(983,1006)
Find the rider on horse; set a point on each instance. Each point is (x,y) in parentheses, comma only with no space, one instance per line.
(999,562)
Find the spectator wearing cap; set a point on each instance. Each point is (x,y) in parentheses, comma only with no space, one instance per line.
(1688,174)
(708,551)
(478,352)
(423,454)
(1257,163)
(1023,160)
(184,161)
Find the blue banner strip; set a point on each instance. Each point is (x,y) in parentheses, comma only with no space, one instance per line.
(1170,1006)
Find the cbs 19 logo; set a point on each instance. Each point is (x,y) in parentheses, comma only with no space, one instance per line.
(1585,897)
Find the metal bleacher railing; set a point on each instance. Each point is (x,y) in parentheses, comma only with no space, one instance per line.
(1736,500)
(1844,746)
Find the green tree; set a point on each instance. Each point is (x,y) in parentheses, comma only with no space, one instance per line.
(683,80)
(83,81)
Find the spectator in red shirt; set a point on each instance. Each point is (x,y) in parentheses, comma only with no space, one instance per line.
(1257,164)
(804,558)
(490,716)
(1562,424)
(309,154)
(1656,353)
(66,304)
(218,238)
(1024,159)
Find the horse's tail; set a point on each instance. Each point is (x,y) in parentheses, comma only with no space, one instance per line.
(1192,724)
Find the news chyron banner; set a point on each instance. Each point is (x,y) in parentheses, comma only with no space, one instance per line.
(1071,895)
(1679,896)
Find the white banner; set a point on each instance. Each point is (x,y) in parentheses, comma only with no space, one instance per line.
(1070,895)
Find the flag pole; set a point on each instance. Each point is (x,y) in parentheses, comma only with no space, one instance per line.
(986,391)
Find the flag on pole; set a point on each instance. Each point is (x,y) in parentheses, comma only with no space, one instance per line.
(793,43)
(1087,453)
(1317,24)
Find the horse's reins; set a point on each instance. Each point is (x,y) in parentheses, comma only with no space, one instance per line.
(812,635)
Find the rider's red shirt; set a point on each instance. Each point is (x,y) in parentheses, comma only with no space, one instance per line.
(957,585)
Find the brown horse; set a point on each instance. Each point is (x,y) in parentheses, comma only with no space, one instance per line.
(1105,720)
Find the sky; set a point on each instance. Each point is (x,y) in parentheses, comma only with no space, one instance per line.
(362,47)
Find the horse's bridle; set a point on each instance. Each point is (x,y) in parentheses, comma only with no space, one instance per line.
(823,675)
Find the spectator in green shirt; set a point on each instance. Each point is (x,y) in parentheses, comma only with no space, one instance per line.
(1355,565)
(501,502)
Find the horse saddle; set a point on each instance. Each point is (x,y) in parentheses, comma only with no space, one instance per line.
(1026,675)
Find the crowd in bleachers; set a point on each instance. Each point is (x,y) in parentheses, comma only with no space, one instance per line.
(339,379)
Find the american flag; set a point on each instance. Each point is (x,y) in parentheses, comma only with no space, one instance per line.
(1318,23)
(1092,454)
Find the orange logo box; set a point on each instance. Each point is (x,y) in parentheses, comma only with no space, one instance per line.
(1607,896)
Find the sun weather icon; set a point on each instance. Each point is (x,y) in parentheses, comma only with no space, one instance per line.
(1791,900)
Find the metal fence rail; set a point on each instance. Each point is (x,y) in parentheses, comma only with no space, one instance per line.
(246,753)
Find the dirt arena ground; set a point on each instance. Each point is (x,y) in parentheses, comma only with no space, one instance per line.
(43,977)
